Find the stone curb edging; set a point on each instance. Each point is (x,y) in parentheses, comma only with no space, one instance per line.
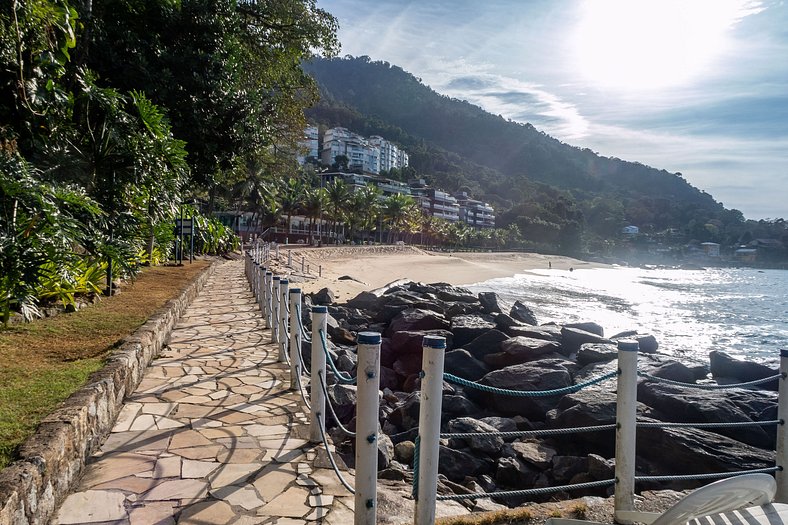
(52,459)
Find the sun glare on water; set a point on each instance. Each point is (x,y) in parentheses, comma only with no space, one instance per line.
(652,44)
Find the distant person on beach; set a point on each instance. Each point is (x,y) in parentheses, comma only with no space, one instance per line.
(571,269)
(549,265)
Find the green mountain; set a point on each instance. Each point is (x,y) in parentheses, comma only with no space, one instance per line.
(541,184)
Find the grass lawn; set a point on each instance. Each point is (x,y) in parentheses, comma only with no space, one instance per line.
(43,362)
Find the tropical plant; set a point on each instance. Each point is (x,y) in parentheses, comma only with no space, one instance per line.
(338,195)
(38,233)
(315,201)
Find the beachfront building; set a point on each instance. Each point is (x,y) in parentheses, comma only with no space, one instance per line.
(710,249)
(441,204)
(390,155)
(356,181)
(361,155)
(475,213)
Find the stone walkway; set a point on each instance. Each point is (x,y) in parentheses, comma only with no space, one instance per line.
(212,435)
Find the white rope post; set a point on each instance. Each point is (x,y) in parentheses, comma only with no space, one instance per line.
(368,390)
(256,281)
(277,252)
(275,294)
(626,416)
(283,356)
(294,299)
(318,366)
(434,348)
(261,289)
(782,446)
(290,259)
(269,282)
(320,270)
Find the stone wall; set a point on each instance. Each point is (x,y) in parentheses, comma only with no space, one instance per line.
(52,460)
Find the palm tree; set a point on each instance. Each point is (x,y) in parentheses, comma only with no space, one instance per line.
(395,212)
(291,197)
(315,201)
(338,195)
(369,200)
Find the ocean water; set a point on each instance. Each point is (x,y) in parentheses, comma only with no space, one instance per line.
(741,311)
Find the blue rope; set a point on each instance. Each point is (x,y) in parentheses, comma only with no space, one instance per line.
(527,393)
(331,458)
(711,387)
(306,335)
(346,379)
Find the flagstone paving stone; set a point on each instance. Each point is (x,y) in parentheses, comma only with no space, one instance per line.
(212,435)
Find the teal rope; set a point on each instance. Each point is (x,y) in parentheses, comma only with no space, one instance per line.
(712,387)
(346,379)
(527,393)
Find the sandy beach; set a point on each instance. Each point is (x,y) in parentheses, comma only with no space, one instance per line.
(349,270)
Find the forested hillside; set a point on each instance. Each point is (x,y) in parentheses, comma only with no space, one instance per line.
(534,180)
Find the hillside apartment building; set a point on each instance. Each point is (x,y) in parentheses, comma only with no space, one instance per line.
(371,156)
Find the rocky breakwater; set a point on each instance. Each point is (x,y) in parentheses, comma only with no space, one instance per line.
(503,346)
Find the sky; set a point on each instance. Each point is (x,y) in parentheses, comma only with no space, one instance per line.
(698,87)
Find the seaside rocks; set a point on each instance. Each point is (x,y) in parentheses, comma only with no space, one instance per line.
(520,350)
(466,328)
(547,374)
(522,313)
(414,319)
(324,297)
(723,366)
(491,303)
(462,364)
(502,346)
(487,343)
(573,338)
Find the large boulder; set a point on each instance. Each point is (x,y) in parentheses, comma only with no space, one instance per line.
(596,353)
(456,464)
(588,326)
(511,471)
(455,294)
(488,444)
(520,350)
(535,453)
(455,405)
(689,405)
(466,328)
(416,319)
(462,364)
(487,343)
(724,366)
(325,297)
(491,303)
(411,341)
(586,408)
(546,374)
(547,333)
(523,314)
(666,451)
(647,343)
(574,338)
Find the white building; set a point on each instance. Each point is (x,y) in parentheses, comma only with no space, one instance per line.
(309,146)
(390,155)
(359,152)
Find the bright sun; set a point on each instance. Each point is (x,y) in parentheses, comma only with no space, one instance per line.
(652,44)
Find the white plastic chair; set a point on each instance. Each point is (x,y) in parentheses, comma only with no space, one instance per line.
(747,490)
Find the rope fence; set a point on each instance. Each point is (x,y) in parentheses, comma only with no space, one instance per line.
(286,322)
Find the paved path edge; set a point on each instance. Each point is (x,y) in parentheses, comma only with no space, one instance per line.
(52,459)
